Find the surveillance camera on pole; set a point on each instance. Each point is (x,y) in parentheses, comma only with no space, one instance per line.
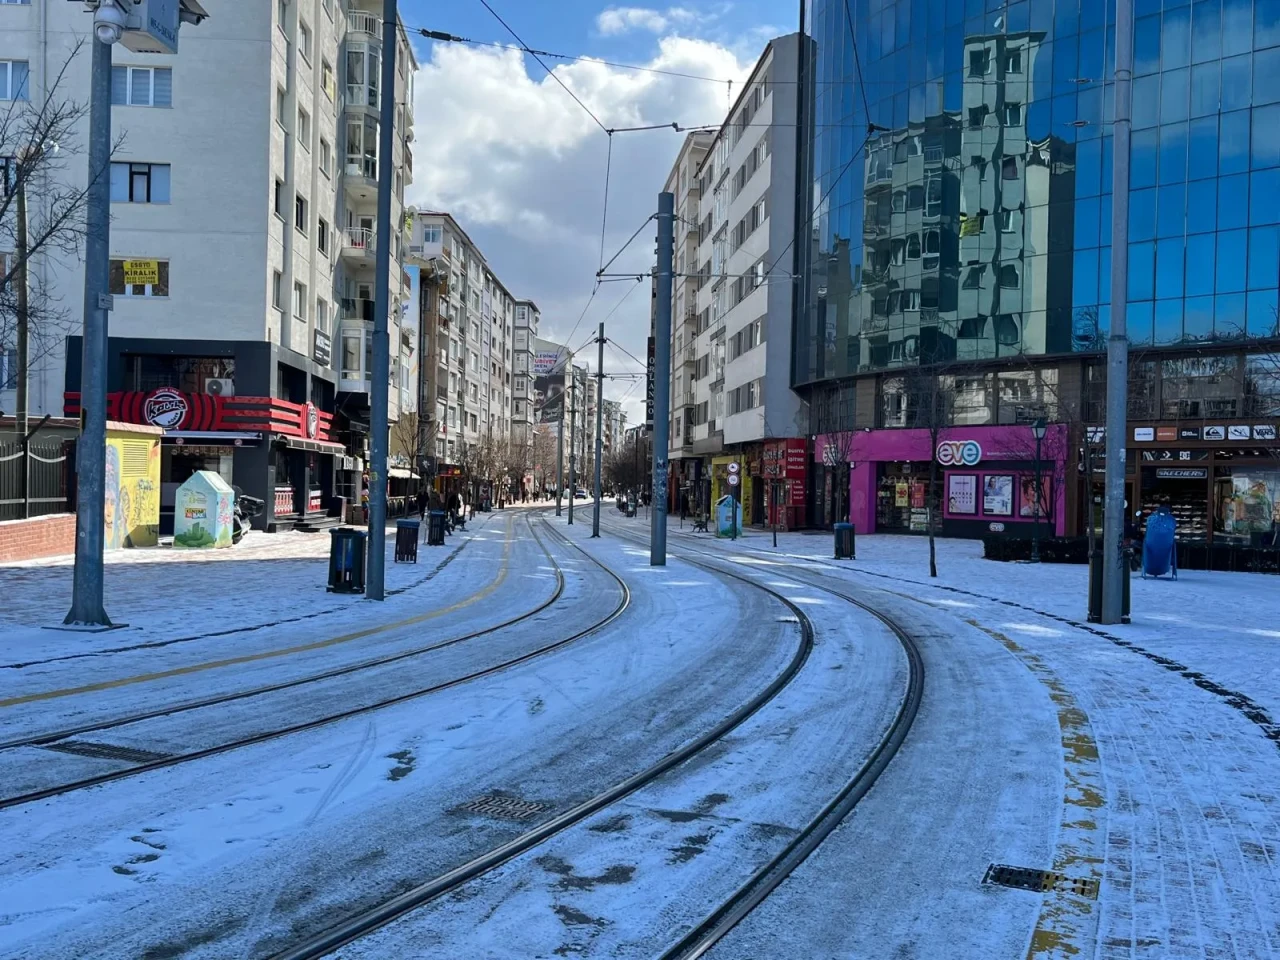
(110,20)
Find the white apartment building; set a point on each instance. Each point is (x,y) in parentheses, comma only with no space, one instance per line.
(469,336)
(244,196)
(747,187)
(527,318)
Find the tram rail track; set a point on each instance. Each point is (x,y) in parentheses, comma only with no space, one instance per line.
(47,740)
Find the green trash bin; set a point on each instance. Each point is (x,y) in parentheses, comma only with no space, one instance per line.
(845,547)
(346,560)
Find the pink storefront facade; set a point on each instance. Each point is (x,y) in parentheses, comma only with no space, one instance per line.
(987,479)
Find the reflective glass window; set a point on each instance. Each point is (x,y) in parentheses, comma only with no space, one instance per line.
(1138,322)
(1085,278)
(1197,318)
(1168,321)
(1172,211)
(1228,315)
(1170,253)
(1237,26)
(1233,142)
(1266,23)
(1237,81)
(1142,163)
(1233,201)
(1203,148)
(1262,316)
(1201,253)
(1142,215)
(1173,95)
(1264,196)
(1146,45)
(1264,258)
(1231,260)
(1206,30)
(1146,101)
(1265,147)
(1205,90)
(1173,153)
(1087,224)
(1202,206)
(1089,169)
(1142,257)
(1175,38)
(1266,74)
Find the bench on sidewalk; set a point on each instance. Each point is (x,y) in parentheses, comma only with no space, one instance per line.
(700,523)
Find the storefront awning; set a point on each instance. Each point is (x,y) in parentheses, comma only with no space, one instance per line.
(314,446)
(402,473)
(211,438)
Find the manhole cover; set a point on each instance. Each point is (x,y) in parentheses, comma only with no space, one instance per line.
(106,751)
(1042,881)
(504,808)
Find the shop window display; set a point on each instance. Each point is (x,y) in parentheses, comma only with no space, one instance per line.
(1247,507)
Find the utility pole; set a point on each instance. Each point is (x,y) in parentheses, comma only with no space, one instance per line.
(24,333)
(380,375)
(662,380)
(573,435)
(595,519)
(91,450)
(560,459)
(1113,565)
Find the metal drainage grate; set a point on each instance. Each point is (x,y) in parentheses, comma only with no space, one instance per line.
(1042,881)
(106,751)
(504,808)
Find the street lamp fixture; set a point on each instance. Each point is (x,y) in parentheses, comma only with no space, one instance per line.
(1038,429)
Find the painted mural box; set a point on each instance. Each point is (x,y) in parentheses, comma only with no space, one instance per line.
(202,512)
(131,492)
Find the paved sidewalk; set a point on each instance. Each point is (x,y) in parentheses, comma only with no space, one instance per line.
(1179,708)
(166,594)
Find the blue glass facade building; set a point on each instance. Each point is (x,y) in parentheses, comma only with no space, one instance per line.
(960,179)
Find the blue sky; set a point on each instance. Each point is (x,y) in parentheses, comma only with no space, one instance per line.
(504,149)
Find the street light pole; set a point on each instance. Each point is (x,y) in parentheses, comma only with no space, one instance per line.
(1037,429)
(573,436)
(23,397)
(1113,565)
(595,519)
(380,375)
(662,380)
(91,449)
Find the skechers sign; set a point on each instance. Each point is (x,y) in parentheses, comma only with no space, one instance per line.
(959,453)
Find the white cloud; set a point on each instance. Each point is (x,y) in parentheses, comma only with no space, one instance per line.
(616,20)
(521,166)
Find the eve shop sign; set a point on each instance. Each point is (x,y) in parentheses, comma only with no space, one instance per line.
(959,453)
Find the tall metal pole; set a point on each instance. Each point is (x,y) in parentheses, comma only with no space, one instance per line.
(595,519)
(662,380)
(1113,566)
(573,436)
(91,450)
(1035,534)
(23,397)
(560,460)
(380,376)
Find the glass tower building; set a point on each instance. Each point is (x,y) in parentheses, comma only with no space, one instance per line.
(959,155)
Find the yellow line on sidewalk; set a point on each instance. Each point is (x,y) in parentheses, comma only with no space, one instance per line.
(1067,925)
(272,654)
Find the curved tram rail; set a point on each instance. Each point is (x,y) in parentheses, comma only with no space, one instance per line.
(176,759)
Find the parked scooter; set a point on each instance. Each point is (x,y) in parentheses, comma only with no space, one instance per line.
(246,509)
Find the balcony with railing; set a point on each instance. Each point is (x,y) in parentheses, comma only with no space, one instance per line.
(364,24)
(358,244)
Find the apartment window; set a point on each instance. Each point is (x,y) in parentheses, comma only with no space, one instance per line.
(142,86)
(322,236)
(282,13)
(1013,114)
(1009,276)
(1006,221)
(139,183)
(328,7)
(474,424)
(328,83)
(277,279)
(13,80)
(300,302)
(973,279)
(431,233)
(279,199)
(281,101)
(158,288)
(978,115)
(300,213)
(304,130)
(979,62)
(304,40)
(326,157)
(1013,61)
(520,385)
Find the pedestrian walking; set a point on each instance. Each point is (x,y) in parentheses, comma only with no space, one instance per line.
(422,504)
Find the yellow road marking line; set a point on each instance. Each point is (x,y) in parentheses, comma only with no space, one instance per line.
(271,654)
(1067,923)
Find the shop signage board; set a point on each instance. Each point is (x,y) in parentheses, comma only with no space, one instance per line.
(1182,473)
(1188,433)
(997,495)
(962,495)
(959,453)
(1237,433)
(1265,431)
(1164,434)
(1167,456)
(1214,433)
(1144,434)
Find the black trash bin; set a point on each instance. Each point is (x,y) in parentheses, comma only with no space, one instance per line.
(407,532)
(435,528)
(845,549)
(1095,588)
(346,560)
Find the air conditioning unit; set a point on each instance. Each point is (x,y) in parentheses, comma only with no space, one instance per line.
(220,387)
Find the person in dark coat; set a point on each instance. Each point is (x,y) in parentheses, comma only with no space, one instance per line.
(423,499)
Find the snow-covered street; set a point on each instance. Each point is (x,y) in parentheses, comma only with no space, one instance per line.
(649,745)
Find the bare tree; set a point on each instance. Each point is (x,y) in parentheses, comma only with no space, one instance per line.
(42,212)
(412,446)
